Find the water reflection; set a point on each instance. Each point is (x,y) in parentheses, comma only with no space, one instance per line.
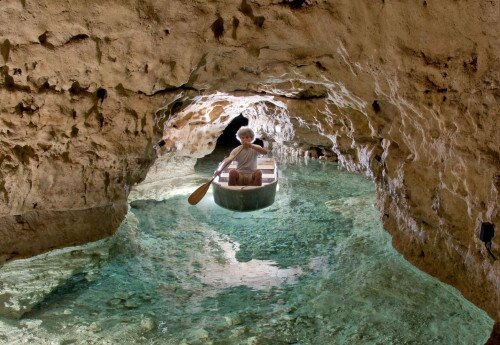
(314,268)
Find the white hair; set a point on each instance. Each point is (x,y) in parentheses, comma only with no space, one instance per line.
(245,130)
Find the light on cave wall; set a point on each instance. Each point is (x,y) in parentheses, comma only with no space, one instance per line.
(193,131)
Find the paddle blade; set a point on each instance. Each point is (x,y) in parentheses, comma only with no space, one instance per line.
(199,193)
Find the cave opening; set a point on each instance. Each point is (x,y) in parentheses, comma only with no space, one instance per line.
(209,123)
(228,137)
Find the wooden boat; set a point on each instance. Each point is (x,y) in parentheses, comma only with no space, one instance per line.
(247,198)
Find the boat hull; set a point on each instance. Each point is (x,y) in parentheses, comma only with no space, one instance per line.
(244,198)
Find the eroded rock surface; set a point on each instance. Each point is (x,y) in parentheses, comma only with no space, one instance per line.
(404,92)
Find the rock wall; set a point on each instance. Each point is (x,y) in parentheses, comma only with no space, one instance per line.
(406,92)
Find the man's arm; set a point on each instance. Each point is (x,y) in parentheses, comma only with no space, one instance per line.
(259,149)
(224,162)
(221,165)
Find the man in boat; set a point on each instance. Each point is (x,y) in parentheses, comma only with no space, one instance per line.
(246,172)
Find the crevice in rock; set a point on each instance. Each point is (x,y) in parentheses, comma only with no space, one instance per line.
(43,39)
(320,66)
(218,27)
(236,23)
(3,189)
(24,153)
(74,131)
(101,94)
(194,74)
(77,38)
(259,21)
(97,41)
(107,181)
(247,10)
(295,4)
(22,108)
(471,65)
(9,82)
(76,89)
(121,90)
(46,87)
(5,50)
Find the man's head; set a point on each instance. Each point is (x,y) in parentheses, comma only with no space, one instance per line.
(245,135)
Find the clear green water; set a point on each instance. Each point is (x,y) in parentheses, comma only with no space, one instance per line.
(314,268)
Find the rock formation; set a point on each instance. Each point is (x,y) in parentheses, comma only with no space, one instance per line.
(406,93)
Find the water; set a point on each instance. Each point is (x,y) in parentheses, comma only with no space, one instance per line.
(314,268)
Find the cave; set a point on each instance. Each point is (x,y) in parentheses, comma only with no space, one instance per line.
(228,135)
(382,116)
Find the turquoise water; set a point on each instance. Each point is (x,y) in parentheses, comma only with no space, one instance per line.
(314,268)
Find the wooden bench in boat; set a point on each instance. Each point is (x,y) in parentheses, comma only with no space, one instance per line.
(266,165)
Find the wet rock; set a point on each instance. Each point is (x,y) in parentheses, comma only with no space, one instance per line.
(124,295)
(95,327)
(198,334)
(148,324)
(233,320)
(145,297)
(238,332)
(31,324)
(26,283)
(130,304)
(252,341)
(114,302)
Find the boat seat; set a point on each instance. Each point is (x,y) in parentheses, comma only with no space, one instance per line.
(267,166)
(264,171)
(224,179)
(226,174)
(224,182)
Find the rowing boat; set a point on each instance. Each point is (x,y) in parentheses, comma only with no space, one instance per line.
(247,198)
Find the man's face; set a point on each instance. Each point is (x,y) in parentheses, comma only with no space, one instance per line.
(246,139)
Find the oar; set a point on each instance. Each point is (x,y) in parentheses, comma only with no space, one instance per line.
(200,192)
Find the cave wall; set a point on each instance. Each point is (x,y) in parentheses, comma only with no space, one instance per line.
(405,92)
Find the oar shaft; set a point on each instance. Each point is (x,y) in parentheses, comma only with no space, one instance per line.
(227,164)
(200,192)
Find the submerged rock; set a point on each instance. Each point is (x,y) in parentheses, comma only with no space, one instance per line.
(233,320)
(26,283)
(147,324)
(198,334)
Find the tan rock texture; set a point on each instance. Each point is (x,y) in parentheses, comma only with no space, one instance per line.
(406,92)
